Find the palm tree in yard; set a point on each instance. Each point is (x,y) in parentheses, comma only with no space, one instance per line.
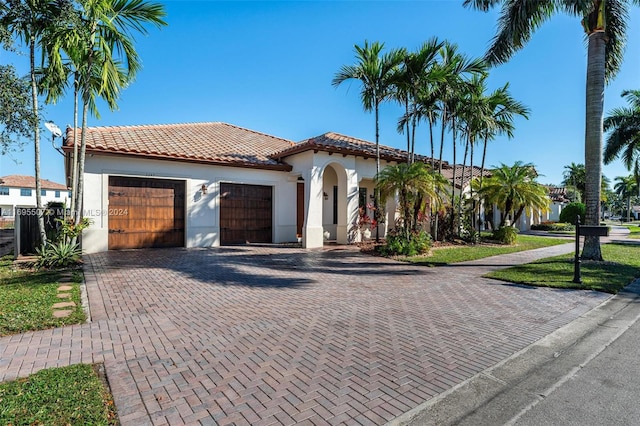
(604,22)
(514,189)
(413,183)
(623,125)
(377,73)
(30,21)
(574,176)
(105,57)
(626,187)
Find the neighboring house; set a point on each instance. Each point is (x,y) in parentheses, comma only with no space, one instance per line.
(559,198)
(210,184)
(20,191)
(635,212)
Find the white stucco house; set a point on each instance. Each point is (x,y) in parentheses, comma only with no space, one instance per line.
(20,191)
(211,184)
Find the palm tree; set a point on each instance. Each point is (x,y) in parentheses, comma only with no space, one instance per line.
(413,183)
(624,137)
(377,73)
(28,21)
(514,189)
(604,22)
(106,27)
(574,176)
(626,187)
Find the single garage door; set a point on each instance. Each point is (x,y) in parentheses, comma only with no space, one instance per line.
(145,213)
(245,214)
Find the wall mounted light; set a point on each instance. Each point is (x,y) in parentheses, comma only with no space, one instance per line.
(203,189)
(326,196)
(372,196)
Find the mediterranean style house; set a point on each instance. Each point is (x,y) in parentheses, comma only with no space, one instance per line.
(211,184)
(20,191)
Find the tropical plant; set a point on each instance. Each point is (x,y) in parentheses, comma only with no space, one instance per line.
(574,177)
(418,242)
(604,22)
(29,22)
(626,187)
(377,73)
(60,254)
(414,184)
(514,189)
(102,58)
(623,141)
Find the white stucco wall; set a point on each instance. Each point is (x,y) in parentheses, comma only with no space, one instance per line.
(202,227)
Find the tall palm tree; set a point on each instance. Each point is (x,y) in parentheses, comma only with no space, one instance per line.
(105,57)
(623,125)
(514,189)
(377,73)
(626,187)
(28,21)
(604,22)
(413,183)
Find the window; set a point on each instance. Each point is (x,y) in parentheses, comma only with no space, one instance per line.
(43,192)
(4,190)
(69,194)
(362,198)
(25,192)
(57,194)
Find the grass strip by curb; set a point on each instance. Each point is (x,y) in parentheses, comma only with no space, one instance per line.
(446,255)
(609,276)
(73,395)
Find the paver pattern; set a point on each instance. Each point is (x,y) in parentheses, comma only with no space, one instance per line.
(266,335)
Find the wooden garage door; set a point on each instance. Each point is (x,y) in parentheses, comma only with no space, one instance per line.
(145,213)
(245,214)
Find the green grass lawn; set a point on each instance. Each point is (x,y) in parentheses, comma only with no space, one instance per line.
(621,267)
(72,395)
(27,298)
(446,255)
(635,231)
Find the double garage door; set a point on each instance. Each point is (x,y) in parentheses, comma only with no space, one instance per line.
(151,213)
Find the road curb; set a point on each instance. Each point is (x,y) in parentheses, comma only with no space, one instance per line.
(503,392)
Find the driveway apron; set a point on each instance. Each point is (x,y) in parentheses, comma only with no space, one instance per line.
(268,335)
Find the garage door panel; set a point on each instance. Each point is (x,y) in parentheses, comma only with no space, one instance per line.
(245,214)
(145,213)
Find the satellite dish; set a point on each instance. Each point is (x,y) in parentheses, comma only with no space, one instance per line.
(55,130)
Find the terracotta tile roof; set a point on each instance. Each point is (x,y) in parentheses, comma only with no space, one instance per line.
(469,173)
(214,143)
(337,143)
(558,193)
(20,181)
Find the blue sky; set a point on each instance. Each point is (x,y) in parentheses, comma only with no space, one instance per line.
(268,66)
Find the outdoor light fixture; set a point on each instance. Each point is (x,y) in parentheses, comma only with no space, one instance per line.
(326,196)
(203,189)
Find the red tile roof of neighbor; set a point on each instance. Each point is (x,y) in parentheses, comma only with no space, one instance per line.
(469,173)
(19,181)
(213,143)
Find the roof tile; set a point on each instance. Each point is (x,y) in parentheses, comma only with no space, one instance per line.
(21,181)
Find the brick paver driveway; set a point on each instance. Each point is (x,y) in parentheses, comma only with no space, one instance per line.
(259,335)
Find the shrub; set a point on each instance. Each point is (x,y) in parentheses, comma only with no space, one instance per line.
(60,254)
(419,242)
(506,235)
(553,226)
(571,212)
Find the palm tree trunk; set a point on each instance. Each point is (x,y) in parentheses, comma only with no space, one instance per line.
(375,192)
(36,140)
(406,114)
(413,139)
(464,170)
(593,139)
(453,186)
(81,159)
(74,181)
